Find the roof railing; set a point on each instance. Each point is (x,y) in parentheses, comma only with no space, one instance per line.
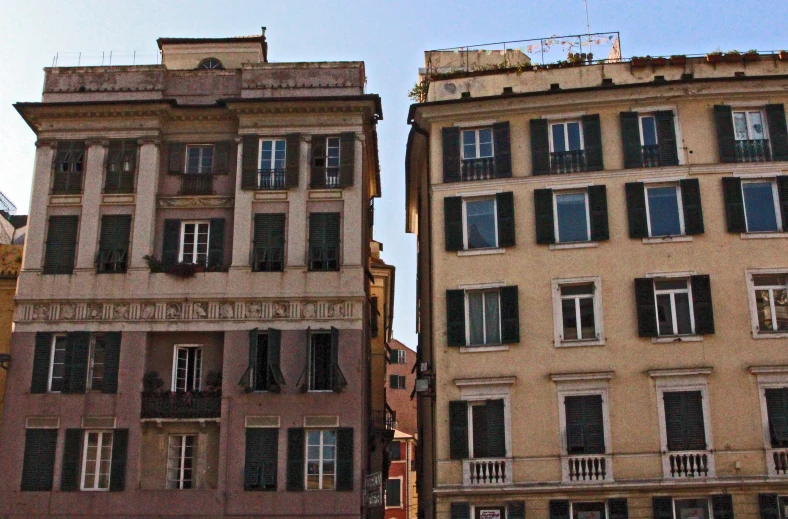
(106,58)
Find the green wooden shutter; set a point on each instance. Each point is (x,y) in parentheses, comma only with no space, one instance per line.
(674,421)
(38,466)
(575,437)
(636,209)
(593,424)
(114,167)
(304,377)
(61,244)
(295,459)
(452,223)
(171,241)
(722,506)
(510,315)
(72,450)
(723,119)
(75,371)
(777,411)
(292,160)
(540,147)
(345,458)
(769,506)
(559,509)
(543,210)
(269,241)
(127,177)
(782,194)
(597,207)
(111,362)
(503,150)
(630,140)
(250,375)
(338,382)
(701,304)
(592,140)
(691,204)
(262,455)
(646,307)
(734,204)
(684,420)
(778,132)
(324,241)
(120,447)
(455,317)
(177,157)
(618,508)
(458,430)
(347,158)
(249,164)
(221,158)
(275,378)
(114,243)
(662,507)
(505,212)
(666,137)
(496,429)
(451,154)
(216,243)
(460,511)
(42,355)
(516,510)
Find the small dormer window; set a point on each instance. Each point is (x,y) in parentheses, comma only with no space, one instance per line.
(210,64)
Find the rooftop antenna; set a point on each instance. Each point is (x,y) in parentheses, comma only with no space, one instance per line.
(6,204)
(588,28)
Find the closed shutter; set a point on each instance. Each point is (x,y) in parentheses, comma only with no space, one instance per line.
(618,508)
(540,147)
(496,429)
(460,511)
(778,132)
(262,455)
(177,155)
(505,206)
(275,378)
(543,209)
(216,243)
(684,421)
(503,150)
(38,466)
(662,506)
(120,447)
(451,154)
(777,411)
(114,243)
(510,315)
(559,509)
(269,242)
(630,140)
(726,141)
(121,166)
(249,162)
(221,158)
(345,457)
(324,241)
(171,242)
(111,362)
(584,424)
(295,459)
(452,223)
(691,204)
(75,370)
(516,510)
(722,506)
(347,158)
(734,204)
(69,167)
(455,317)
(782,192)
(701,304)
(317,171)
(458,430)
(636,209)
(592,140)
(666,137)
(61,245)
(42,355)
(72,450)
(769,506)
(292,160)
(646,307)
(597,204)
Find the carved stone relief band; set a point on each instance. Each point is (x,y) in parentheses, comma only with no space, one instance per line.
(195,201)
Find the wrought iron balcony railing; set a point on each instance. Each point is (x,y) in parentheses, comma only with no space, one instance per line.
(268,259)
(587,468)
(650,156)
(384,420)
(688,464)
(757,150)
(181,406)
(271,179)
(567,162)
(487,471)
(478,169)
(197,184)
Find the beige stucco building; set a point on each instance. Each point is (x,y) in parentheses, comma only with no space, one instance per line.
(602,290)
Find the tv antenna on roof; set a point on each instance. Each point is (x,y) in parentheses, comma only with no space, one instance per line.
(6,204)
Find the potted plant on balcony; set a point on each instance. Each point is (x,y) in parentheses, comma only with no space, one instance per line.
(659,61)
(751,55)
(152,382)
(678,59)
(714,57)
(733,56)
(640,61)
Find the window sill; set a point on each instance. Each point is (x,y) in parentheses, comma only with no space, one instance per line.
(762,235)
(481,349)
(480,252)
(677,338)
(574,245)
(580,343)
(769,335)
(667,239)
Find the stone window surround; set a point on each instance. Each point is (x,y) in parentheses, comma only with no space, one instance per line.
(599,321)
(748,274)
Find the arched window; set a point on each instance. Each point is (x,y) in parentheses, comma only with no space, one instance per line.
(210,64)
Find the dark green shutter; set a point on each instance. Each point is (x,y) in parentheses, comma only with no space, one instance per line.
(338,382)
(216,243)
(559,509)
(72,450)
(275,378)
(777,411)
(585,424)
(636,209)
(674,421)
(292,160)
(317,173)
(496,429)
(269,242)
(769,506)
(543,209)
(662,507)
(458,430)
(345,457)
(701,304)
(723,119)
(455,317)
(171,241)
(111,362)
(75,371)
(503,150)
(61,244)
(722,506)
(451,154)
(460,511)
(778,132)
(592,140)
(646,307)
(324,239)
(782,194)
(597,206)
(221,158)
(38,466)
(120,447)
(452,222)
(41,360)
(540,147)
(249,164)
(117,179)
(618,508)
(262,454)
(177,156)
(510,315)
(114,243)
(69,182)
(505,207)
(684,420)
(630,140)
(516,510)
(734,204)
(295,459)
(666,137)
(691,204)
(347,158)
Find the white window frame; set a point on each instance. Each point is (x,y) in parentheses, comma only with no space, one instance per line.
(672,292)
(55,337)
(465,221)
(477,142)
(199,168)
(400,378)
(274,157)
(749,276)
(496,289)
(479,391)
(747,110)
(99,460)
(401,493)
(402,356)
(197,224)
(641,116)
(689,498)
(679,203)
(769,377)
(558,317)
(775,199)
(564,122)
(556,194)
(92,361)
(198,375)
(182,460)
(320,460)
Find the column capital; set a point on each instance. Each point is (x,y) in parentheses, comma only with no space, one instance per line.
(43,143)
(149,140)
(97,141)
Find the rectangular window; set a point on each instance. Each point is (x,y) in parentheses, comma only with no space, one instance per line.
(273,153)
(269,242)
(479,431)
(684,422)
(69,167)
(477,144)
(648,130)
(750,132)
(324,241)
(401,356)
(194,242)
(481,223)
(692,508)
(96,460)
(674,307)
(39,460)
(395,451)
(577,312)
(98,349)
(396,382)
(57,363)
(761,206)
(484,317)
(61,246)
(320,459)
(393,492)
(121,165)
(180,461)
(771,301)
(664,211)
(777,411)
(585,430)
(261,373)
(199,159)
(113,250)
(566,137)
(187,368)
(571,217)
(588,511)
(320,362)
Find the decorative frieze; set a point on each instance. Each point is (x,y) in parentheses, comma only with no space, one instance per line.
(195,201)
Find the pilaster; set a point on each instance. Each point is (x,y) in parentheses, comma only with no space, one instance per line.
(91,204)
(145,211)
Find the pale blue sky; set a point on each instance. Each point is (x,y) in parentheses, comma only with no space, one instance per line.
(389,36)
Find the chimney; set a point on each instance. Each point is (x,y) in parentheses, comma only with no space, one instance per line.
(264,46)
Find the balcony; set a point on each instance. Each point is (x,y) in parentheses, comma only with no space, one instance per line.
(753,151)
(181,406)
(688,464)
(777,462)
(567,162)
(271,179)
(650,155)
(477,169)
(385,420)
(196,184)
(486,472)
(587,468)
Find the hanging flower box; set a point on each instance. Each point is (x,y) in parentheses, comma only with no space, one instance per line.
(751,56)
(678,59)
(714,58)
(659,62)
(733,57)
(639,62)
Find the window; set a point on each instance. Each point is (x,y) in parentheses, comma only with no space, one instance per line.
(324,241)
(478,161)
(187,368)
(199,159)
(96,460)
(480,219)
(273,163)
(374,315)
(113,244)
(487,429)
(394,493)
(692,508)
(76,362)
(194,242)
(180,461)
(684,424)
(264,373)
(751,134)
(325,160)
(320,459)
(664,212)
(566,147)
(57,363)
(771,302)
(39,459)
(98,350)
(479,222)
(674,307)
(584,424)
(484,317)
(571,217)
(121,165)
(395,451)
(262,455)
(588,511)
(320,362)
(397,382)
(69,168)
(210,64)
(269,242)
(261,374)
(648,130)
(400,356)
(61,245)
(577,312)
(761,206)
(567,217)
(777,412)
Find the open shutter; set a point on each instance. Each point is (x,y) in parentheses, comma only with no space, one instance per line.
(510,315)
(777,411)
(61,244)
(722,506)
(72,449)
(592,140)
(496,430)
(345,459)
(505,207)
(503,150)
(338,382)
(630,140)
(723,119)
(455,317)
(460,511)
(304,377)
(540,147)
(275,377)
(543,207)
(597,204)
(111,362)
(662,506)
(38,466)
(734,204)
(75,371)
(646,307)
(458,430)
(691,204)
(778,132)
(41,359)
(295,459)
(347,158)
(216,243)
(451,154)
(120,447)
(114,167)
(452,222)
(782,193)
(249,164)
(666,137)
(516,510)
(292,160)
(701,304)
(177,155)
(769,506)
(221,158)
(171,242)
(618,508)
(252,370)
(636,209)
(559,509)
